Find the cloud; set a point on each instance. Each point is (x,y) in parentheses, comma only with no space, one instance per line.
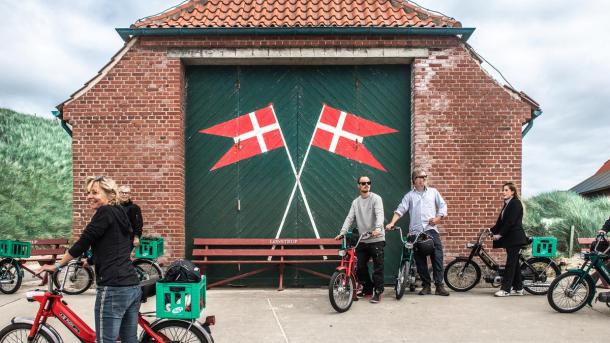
(555,51)
(56,46)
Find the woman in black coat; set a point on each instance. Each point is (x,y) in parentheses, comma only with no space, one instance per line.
(508,234)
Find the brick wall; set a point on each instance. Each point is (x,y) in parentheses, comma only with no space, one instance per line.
(129,125)
(467,134)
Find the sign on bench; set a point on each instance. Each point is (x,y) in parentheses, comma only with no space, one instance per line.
(271,252)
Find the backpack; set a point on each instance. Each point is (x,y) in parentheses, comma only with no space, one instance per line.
(182,271)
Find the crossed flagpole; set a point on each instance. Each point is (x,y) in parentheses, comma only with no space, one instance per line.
(336,131)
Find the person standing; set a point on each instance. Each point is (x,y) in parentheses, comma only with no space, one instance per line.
(367,211)
(109,235)
(508,233)
(605,228)
(427,208)
(133,212)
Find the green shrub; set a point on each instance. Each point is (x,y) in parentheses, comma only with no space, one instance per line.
(35,177)
(554,213)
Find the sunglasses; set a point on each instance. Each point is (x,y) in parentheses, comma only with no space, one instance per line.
(365,183)
(422,177)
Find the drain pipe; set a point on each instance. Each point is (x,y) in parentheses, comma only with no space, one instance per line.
(530,124)
(56,114)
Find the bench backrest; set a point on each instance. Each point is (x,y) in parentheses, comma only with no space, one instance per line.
(263,247)
(42,247)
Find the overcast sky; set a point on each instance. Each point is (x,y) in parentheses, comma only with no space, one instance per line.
(558,52)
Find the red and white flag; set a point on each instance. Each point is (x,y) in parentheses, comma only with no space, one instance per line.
(343,133)
(254,133)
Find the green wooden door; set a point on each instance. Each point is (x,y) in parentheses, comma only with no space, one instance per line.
(252,197)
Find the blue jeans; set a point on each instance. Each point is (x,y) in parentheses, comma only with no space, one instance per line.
(437,262)
(116,313)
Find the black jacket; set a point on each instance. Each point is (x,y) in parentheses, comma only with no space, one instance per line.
(109,235)
(135,217)
(510,226)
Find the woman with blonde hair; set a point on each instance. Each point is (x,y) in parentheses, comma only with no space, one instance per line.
(108,234)
(508,233)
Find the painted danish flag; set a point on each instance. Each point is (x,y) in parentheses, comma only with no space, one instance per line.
(343,133)
(253,134)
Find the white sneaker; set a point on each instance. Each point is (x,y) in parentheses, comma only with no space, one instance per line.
(501,293)
(519,292)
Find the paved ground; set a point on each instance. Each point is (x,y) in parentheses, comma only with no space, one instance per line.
(305,315)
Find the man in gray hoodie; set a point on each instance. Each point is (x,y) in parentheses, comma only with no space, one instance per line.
(367,211)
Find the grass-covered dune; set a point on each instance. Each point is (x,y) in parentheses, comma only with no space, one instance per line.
(554,213)
(35,177)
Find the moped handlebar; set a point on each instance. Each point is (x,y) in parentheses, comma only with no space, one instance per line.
(360,237)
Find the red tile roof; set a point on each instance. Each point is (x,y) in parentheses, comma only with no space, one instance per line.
(604,168)
(295,13)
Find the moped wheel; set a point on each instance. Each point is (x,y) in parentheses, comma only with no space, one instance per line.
(10,276)
(538,280)
(462,275)
(18,332)
(147,269)
(341,291)
(569,292)
(178,331)
(79,279)
(402,279)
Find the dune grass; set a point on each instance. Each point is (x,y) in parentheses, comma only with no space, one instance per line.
(35,177)
(554,213)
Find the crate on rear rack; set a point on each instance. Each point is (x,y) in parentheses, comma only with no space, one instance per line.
(15,249)
(544,246)
(180,300)
(149,248)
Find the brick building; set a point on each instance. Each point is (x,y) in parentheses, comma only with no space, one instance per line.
(142,119)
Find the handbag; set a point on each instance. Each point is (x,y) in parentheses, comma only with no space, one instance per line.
(424,245)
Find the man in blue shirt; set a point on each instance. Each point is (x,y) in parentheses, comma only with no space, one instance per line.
(426,208)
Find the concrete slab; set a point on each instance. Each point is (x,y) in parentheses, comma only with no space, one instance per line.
(305,315)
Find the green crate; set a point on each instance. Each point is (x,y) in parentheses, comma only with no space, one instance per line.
(180,300)
(16,249)
(544,246)
(150,248)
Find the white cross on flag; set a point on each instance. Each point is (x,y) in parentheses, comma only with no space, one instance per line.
(254,133)
(343,133)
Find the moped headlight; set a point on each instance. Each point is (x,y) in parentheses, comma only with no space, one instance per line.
(469,245)
(341,253)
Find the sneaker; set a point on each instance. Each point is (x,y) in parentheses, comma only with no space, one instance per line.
(501,293)
(376,298)
(518,292)
(425,290)
(440,290)
(362,294)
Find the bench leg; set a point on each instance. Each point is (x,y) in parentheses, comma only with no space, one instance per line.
(312,272)
(34,273)
(237,277)
(45,278)
(281,267)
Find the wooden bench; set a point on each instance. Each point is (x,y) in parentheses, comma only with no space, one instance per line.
(45,251)
(293,252)
(585,243)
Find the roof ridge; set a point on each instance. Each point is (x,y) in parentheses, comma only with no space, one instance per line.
(308,13)
(604,168)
